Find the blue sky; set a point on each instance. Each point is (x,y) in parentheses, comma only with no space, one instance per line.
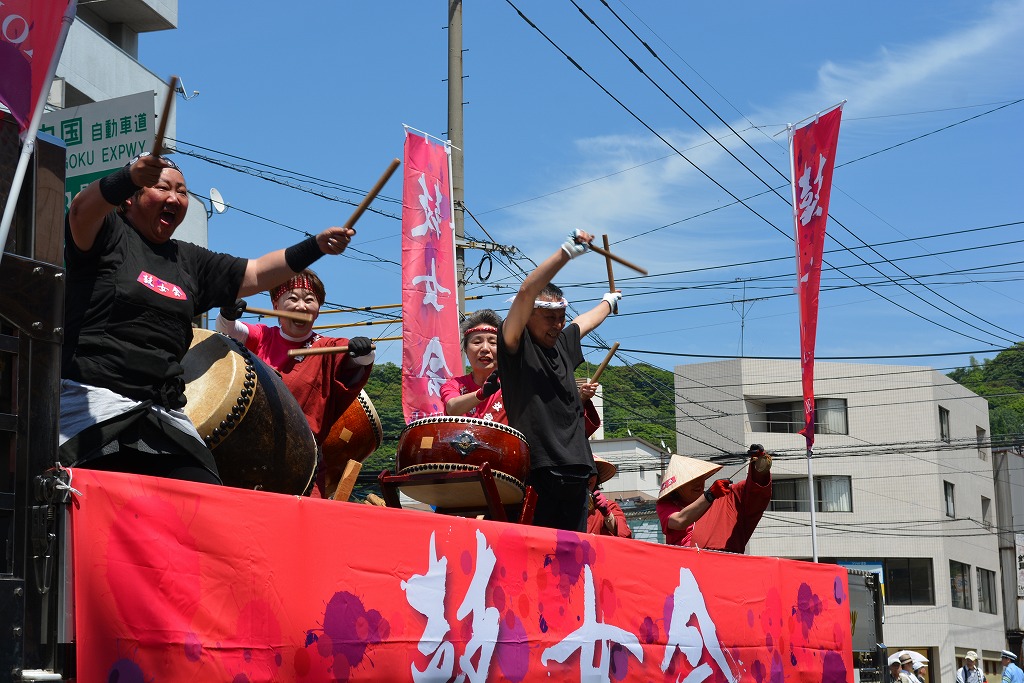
(930,144)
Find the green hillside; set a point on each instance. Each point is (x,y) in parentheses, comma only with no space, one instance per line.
(1001,381)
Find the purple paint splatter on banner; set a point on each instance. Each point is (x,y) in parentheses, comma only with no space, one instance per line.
(833,670)
(840,592)
(778,674)
(512,651)
(193,647)
(572,553)
(808,606)
(758,671)
(349,628)
(125,671)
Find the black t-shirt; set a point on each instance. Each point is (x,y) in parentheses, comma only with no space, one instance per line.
(542,401)
(129,305)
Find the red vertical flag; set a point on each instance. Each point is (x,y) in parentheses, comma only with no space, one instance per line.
(29,32)
(430,299)
(812,156)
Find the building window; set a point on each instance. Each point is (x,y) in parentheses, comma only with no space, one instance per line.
(986,512)
(986,591)
(908,581)
(832,494)
(950,503)
(944,424)
(982,443)
(960,584)
(788,417)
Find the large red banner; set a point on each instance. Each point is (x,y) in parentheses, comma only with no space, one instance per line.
(430,304)
(812,154)
(29,31)
(176,581)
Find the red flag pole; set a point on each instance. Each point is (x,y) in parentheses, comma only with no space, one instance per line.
(29,144)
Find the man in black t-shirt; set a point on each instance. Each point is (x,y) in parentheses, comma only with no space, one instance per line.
(537,355)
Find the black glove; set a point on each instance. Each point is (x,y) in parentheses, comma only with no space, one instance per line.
(490,387)
(359,346)
(234,311)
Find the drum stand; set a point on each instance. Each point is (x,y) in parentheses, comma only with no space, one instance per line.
(493,508)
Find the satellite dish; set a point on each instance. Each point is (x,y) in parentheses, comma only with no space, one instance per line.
(219,205)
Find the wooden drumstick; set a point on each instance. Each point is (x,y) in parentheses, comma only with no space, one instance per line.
(608,254)
(604,363)
(611,276)
(300,317)
(158,143)
(321,350)
(363,205)
(348,481)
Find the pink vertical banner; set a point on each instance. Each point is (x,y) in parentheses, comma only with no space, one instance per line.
(29,33)
(430,305)
(812,154)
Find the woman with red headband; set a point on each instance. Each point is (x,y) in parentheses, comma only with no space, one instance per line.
(477,394)
(324,385)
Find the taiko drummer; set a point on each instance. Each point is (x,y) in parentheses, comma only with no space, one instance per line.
(324,385)
(132,293)
(537,356)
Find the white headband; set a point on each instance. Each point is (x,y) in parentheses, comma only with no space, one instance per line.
(543,303)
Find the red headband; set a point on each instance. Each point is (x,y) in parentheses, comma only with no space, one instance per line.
(480,328)
(300,281)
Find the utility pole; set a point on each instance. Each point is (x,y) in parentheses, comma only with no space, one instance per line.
(455,130)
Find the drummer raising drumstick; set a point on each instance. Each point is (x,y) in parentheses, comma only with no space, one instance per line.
(324,385)
(537,355)
(132,292)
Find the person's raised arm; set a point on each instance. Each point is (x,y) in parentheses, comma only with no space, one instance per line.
(275,267)
(522,306)
(597,315)
(100,197)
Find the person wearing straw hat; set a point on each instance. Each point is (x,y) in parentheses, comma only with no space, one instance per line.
(724,516)
(731,521)
(970,672)
(537,356)
(1011,672)
(324,385)
(605,518)
(132,293)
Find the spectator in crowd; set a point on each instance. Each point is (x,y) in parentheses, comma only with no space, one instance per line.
(970,672)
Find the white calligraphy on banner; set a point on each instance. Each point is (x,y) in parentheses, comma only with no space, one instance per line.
(426,593)
(810,191)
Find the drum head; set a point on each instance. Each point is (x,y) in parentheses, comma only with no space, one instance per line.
(461,494)
(215,375)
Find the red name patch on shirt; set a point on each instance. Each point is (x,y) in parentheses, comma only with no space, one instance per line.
(168,289)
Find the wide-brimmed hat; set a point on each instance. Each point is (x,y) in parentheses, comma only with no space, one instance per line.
(905,658)
(919,665)
(605,469)
(682,470)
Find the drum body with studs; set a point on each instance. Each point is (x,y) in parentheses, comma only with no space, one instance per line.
(255,428)
(354,436)
(439,444)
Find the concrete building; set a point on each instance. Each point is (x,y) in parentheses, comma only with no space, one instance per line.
(100,62)
(903,483)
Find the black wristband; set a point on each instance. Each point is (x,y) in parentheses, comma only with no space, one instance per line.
(302,255)
(118,186)
(708,496)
